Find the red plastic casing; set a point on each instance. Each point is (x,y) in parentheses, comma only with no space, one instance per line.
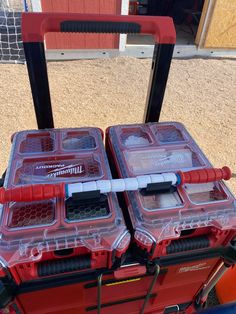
(176,285)
(32,233)
(36,25)
(193,210)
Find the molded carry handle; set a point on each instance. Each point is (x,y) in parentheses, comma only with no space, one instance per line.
(36,25)
(189,244)
(65,265)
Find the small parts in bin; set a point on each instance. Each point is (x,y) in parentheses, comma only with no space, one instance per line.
(73,142)
(135,137)
(145,161)
(134,140)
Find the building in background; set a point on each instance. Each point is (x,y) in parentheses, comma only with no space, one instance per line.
(204,28)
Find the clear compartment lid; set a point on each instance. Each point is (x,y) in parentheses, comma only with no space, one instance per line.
(59,168)
(66,155)
(160,216)
(161,160)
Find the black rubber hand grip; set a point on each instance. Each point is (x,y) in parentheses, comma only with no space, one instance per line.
(63,265)
(188,244)
(100,27)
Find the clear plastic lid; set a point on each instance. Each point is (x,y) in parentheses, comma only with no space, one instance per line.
(52,156)
(161,160)
(162,216)
(56,168)
(161,201)
(206,193)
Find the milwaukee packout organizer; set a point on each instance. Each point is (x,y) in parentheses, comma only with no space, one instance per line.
(167,220)
(43,239)
(193,222)
(74,252)
(92,233)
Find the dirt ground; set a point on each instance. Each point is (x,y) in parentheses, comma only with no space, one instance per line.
(200,93)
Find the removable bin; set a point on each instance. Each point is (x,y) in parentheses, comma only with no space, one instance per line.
(43,142)
(172,134)
(78,141)
(31,215)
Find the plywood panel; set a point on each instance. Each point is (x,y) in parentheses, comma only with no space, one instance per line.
(222,29)
(82,41)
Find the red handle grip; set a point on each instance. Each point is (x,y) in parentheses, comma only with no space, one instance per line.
(37,192)
(30,193)
(36,25)
(205,175)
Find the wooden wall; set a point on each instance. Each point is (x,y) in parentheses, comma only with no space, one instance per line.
(82,41)
(221,31)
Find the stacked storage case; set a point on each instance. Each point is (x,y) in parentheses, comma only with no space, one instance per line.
(59,236)
(56,250)
(173,225)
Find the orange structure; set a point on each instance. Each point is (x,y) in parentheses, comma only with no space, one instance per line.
(225,289)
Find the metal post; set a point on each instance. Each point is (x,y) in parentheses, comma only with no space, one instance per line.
(218,274)
(37,69)
(99,281)
(150,289)
(159,74)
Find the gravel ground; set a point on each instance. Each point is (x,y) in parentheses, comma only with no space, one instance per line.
(200,93)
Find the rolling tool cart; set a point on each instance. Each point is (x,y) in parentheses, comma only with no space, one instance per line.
(64,243)
(62,254)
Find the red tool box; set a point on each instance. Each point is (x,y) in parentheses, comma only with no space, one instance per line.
(36,236)
(167,220)
(46,268)
(190,222)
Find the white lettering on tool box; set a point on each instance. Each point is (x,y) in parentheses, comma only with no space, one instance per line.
(194,268)
(71,169)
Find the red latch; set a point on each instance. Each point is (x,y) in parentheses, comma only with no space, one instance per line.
(130,271)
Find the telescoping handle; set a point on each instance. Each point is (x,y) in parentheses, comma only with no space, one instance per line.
(36,25)
(36,192)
